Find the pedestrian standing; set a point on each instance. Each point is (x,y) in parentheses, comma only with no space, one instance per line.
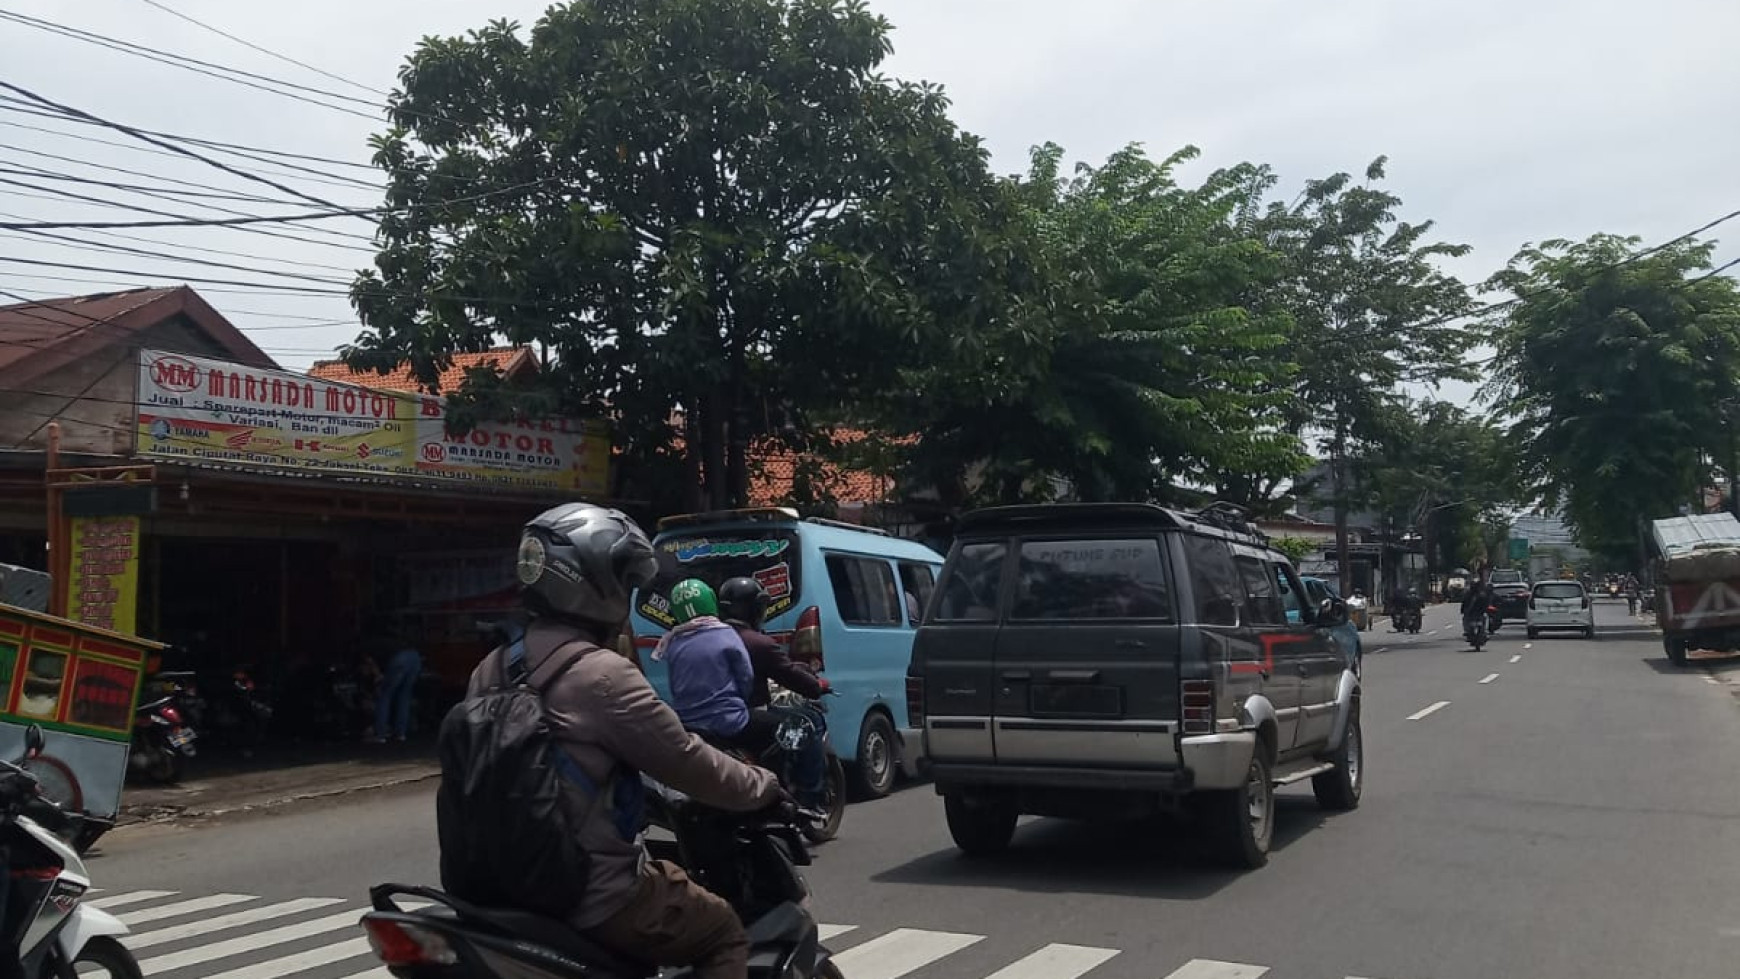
(393,696)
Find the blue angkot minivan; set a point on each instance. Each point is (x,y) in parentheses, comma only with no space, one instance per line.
(845,598)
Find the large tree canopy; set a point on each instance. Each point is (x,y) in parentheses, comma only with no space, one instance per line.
(1621,373)
(712,211)
(1129,361)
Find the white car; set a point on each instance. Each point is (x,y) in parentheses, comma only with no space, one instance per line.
(1560,605)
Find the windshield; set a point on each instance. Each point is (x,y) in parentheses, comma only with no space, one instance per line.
(1508,577)
(769,556)
(1559,589)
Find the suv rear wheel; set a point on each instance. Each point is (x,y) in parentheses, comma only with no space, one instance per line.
(1242,820)
(980,827)
(1338,789)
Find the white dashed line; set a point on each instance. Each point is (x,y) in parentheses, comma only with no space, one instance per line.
(1711,679)
(1528,645)
(1517,658)
(1489,678)
(1429,711)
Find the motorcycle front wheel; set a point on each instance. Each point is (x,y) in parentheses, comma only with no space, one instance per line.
(836,804)
(102,956)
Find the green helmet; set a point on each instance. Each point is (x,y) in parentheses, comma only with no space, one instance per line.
(692,598)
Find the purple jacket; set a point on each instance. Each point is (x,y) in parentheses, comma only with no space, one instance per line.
(711,676)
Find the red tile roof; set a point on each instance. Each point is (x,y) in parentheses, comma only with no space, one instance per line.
(506,360)
(774,475)
(40,336)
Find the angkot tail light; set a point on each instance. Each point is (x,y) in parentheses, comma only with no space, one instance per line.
(806,639)
(400,944)
(1198,702)
(915,701)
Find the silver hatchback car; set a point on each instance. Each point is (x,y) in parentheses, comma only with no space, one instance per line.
(1560,605)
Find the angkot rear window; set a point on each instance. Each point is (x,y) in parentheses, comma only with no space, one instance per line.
(769,556)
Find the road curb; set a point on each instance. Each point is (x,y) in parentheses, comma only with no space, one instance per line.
(157,814)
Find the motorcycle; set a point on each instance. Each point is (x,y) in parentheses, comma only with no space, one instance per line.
(49,933)
(811,714)
(748,859)
(236,712)
(1407,620)
(1475,630)
(162,738)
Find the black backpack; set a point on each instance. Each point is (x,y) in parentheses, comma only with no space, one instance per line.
(508,836)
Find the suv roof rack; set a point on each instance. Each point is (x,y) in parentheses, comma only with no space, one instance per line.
(843,525)
(768,514)
(1230,517)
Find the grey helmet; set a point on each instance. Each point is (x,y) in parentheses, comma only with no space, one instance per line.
(583,561)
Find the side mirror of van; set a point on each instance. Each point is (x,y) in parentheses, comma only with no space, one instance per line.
(1331,613)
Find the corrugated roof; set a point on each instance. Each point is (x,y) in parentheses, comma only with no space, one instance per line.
(39,336)
(1683,535)
(506,360)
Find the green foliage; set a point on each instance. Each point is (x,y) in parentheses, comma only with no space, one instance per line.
(1296,548)
(1618,370)
(1130,360)
(716,216)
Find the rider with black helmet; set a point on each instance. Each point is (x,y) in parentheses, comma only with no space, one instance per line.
(743,605)
(578,565)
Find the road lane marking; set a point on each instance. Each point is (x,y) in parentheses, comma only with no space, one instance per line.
(825,932)
(249,943)
(313,958)
(1055,962)
(183,907)
(192,929)
(1489,678)
(1429,711)
(1528,645)
(1210,969)
(131,897)
(1517,658)
(379,973)
(900,951)
(1711,679)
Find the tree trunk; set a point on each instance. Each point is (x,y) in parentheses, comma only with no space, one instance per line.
(713,453)
(694,495)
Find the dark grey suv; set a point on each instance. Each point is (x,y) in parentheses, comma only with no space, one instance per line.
(1115,660)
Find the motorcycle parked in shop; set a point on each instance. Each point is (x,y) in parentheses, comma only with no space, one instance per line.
(749,859)
(163,739)
(235,711)
(49,932)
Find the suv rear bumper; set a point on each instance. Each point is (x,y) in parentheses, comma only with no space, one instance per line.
(1211,761)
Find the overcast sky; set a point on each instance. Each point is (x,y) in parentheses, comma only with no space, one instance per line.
(1506,122)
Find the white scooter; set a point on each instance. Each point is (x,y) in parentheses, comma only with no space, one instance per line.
(55,935)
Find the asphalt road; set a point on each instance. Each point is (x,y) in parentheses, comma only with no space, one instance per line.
(1571,810)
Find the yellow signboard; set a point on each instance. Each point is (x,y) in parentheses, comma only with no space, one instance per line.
(214,411)
(104,573)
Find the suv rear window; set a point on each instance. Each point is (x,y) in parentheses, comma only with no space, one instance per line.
(1092,579)
(1508,576)
(971,579)
(769,556)
(1559,589)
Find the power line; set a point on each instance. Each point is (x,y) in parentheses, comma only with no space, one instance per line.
(145,137)
(104,166)
(26,170)
(225,73)
(265,51)
(80,242)
(206,262)
(311,290)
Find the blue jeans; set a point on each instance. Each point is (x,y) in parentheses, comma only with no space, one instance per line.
(393,699)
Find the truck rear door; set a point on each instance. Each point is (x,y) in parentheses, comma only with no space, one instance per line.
(1087,661)
(954,654)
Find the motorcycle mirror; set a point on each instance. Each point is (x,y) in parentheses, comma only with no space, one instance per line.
(34,741)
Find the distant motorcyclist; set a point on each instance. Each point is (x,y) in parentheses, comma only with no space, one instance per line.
(743,605)
(579,563)
(1475,604)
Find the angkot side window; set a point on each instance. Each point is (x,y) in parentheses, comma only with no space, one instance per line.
(918,582)
(1092,579)
(1214,582)
(1262,604)
(971,580)
(864,591)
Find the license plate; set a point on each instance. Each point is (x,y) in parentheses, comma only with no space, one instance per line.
(182,738)
(1076,700)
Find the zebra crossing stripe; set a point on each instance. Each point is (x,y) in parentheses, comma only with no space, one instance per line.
(131,897)
(825,932)
(179,908)
(194,929)
(249,943)
(900,951)
(380,973)
(1211,969)
(297,962)
(1055,962)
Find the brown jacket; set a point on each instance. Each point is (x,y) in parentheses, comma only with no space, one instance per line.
(604,711)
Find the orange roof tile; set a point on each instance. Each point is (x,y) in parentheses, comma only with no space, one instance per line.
(774,473)
(506,360)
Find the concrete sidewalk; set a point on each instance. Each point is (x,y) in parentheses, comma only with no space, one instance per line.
(218,786)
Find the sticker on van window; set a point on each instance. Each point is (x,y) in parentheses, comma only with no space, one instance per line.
(777,580)
(700,550)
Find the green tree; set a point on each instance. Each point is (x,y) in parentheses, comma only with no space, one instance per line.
(716,216)
(1127,361)
(1618,370)
(1371,310)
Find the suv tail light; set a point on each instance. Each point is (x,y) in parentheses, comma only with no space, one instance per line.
(806,639)
(1198,703)
(915,701)
(401,944)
